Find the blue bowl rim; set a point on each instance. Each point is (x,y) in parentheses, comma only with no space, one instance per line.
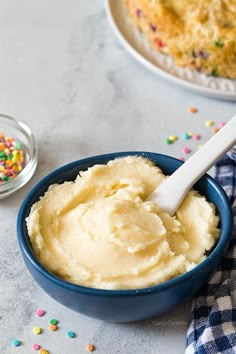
(24,245)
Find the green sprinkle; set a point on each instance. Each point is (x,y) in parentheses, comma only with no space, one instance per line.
(169,141)
(53,321)
(19,146)
(219,44)
(2,153)
(214,73)
(5,178)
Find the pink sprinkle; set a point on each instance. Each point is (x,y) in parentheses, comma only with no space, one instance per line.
(222,124)
(181,158)
(36,346)
(186,150)
(40,313)
(196,136)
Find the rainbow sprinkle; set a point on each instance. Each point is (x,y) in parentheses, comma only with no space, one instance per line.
(12,158)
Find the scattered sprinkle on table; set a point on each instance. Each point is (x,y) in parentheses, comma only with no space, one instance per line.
(196,136)
(192,109)
(52,327)
(36,346)
(90,347)
(222,124)
(40,313)
(12,158)
(186,150)
(70,334)
(169,141)
(173,138)
(37,330)
(16,343)
(44,351)
(215,130)
(186,136)
(209,123)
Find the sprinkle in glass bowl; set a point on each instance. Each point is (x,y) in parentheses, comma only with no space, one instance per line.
(24,141)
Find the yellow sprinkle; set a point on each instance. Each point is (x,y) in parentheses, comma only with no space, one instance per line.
(190,134)
(15,152)
(173,137)
(43,351)
(16,168)
(209,123)
(37,330)
(8,163)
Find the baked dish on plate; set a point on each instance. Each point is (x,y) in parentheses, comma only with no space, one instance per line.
(197,34)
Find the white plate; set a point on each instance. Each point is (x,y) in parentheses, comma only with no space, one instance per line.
(163,65)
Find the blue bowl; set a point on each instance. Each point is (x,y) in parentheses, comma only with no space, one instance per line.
(125,305)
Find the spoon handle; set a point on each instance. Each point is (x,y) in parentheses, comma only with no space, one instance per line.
(171,192)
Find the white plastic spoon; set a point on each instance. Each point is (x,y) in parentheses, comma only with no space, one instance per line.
(172,191)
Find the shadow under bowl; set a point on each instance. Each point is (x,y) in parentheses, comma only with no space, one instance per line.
(134,304)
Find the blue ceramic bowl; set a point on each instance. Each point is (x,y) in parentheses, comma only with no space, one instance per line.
(125,305)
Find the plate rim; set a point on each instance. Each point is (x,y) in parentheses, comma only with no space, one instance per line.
(210,92)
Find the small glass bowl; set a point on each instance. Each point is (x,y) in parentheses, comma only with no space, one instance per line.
(21,133)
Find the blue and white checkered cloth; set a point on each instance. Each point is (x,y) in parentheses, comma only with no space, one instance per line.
(213,318)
